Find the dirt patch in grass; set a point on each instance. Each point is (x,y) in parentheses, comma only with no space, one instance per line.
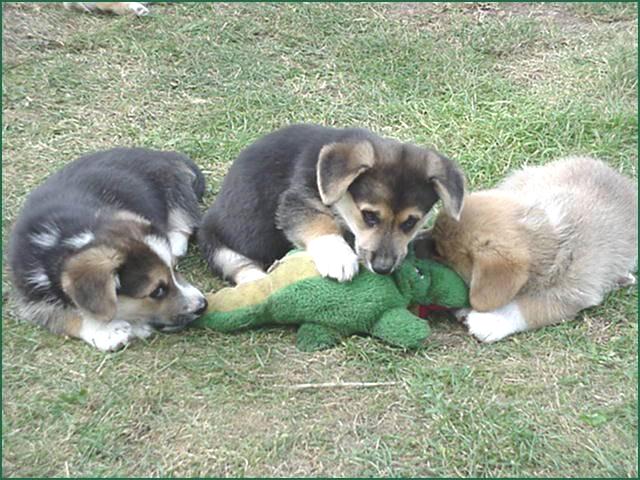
(29,30)
(599,329)
(560,14)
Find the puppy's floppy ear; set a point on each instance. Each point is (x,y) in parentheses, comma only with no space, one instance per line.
(88,278)
(339,164)
(448,181)
(496,280)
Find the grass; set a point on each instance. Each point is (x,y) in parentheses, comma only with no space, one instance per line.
(494,86)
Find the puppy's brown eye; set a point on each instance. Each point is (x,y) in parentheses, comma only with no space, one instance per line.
(370,218)
(159,293)
(408,224)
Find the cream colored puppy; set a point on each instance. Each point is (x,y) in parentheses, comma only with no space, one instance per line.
(118,8)
(546,243)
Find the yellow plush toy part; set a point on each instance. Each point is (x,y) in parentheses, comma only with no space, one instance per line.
(294,267)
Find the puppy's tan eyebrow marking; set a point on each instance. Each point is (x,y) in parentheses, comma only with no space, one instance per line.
(403,215)
(380,209)
(157,277)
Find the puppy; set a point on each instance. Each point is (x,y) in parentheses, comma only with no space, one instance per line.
(118,8)
(325,190)
(543,245)
(92,253)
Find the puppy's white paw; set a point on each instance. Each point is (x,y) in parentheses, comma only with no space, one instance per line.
(497,324)
(333,257)
(107,337)
(138,9)
(461,313)
(627,280)
(179,243)
(142,331)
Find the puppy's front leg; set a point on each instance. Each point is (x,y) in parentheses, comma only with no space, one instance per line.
(332,255)
(123,8)
(526,312)
(308,223)
(496,324)
(105,336)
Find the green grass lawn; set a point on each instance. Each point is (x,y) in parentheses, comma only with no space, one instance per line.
(494,86)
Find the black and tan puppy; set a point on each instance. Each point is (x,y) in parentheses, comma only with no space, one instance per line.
(92,253)
(324,189)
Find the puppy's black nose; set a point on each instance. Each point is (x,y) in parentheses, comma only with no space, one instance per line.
(203,307)
(382,270)
(382,264)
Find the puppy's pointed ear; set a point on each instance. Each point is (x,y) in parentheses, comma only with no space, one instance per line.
(89,279)
(496,280)
(448,182)
(339,164)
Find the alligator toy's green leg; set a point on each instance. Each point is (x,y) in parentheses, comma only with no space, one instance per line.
(447,288)
(401,328)
(312,337)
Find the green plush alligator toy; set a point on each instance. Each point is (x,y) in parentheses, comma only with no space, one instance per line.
(294,293)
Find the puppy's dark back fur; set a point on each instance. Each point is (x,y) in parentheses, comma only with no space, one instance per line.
(243,216)
(267,168)
(79,197)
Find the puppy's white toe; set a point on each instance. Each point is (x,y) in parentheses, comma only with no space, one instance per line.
(138,9)
(142,331)
(486,327)
(333,257)
(110,337)
(497,324)
(627,280)
(461,313)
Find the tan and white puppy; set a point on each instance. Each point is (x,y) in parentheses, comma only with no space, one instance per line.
(546,243)
(117,8)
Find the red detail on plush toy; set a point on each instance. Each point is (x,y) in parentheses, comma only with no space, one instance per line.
(425,310)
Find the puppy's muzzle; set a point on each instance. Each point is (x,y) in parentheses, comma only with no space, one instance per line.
(179,322)
(201,307)
(382,264)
